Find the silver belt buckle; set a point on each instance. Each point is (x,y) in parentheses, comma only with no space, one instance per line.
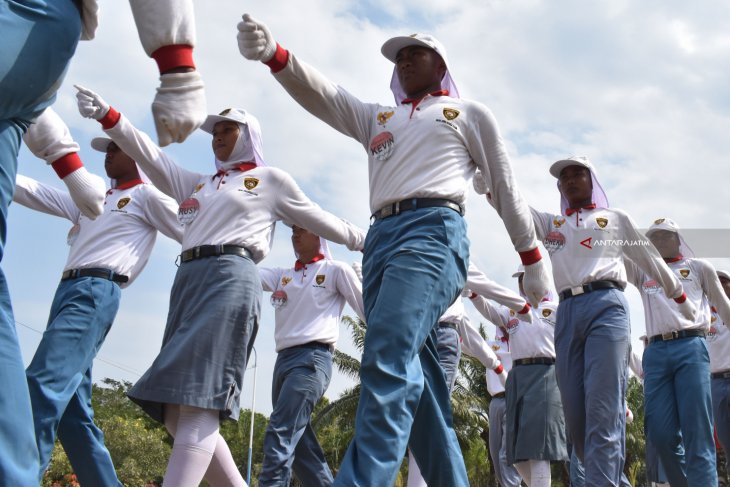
(670,335)
(386,211)
(576,290)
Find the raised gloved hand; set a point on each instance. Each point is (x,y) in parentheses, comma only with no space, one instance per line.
(90,104)
(524,314)
(255,42)
(536,282)
(357,267)
(179,106)
(686,307)
(87,191)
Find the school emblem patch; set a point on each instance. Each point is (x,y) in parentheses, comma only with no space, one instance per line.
(602,222)
(450,113)
(285,280)
(383,117)
(546,313)
(319,279)
(123,202)
(684,273)
(250,183)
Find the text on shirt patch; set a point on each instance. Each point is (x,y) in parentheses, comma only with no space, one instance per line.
(381,146)
(450,113)
(554,241)
(250,183)
(602,222)
(383,117)
(651,287)
(121,203)
(279,299)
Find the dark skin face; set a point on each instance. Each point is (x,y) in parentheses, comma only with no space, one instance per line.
(576,185)
(419,70)
(225,135)
(725,286)
(666,242)
(305,243)
(119,165)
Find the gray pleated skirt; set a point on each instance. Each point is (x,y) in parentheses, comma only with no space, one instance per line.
(214,312)
(535,423)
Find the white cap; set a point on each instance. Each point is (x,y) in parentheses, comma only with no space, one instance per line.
(669,225)
(723,274)
(236,115)
(100,143)
(520,271)
(558,166)
(249,145)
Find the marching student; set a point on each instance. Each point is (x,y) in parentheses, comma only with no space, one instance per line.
(588,244)
(106,254)
(308,299)
(718,344)
(677,392)
(421,154)
(229,218)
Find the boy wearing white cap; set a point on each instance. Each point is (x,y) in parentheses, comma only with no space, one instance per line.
(718,344)
(588,245)
(308,298)
(677,392)
(421,154)
(106,254)
(229,219)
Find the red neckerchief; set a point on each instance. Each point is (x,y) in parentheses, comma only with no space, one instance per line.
(129,184)
(674,259)
(415,101)
(570,211)
(298,266)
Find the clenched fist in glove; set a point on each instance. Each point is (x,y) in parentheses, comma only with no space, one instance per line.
(90,104)
(254,40)
(87,191)
(536,282)
(179,106)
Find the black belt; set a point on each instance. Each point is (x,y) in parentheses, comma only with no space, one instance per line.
(498,395)
(586,288)
(324,346)
(534,361)
(674,335)
(447,324)
(107,274)
(723,374)
(415,203)
(213,251)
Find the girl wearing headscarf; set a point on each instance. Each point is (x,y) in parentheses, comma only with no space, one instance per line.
(229,220)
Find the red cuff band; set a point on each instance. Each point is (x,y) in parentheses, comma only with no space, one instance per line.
(499,369)
(525,309)
(278,62)
(681,299)
(174,56)
(67,164)
(110,119)
(529,257)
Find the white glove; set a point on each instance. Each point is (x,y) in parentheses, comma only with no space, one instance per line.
(502,377)
(357,267)
(179,106)
(524,314)
(536,282)
(480,184)
(87,191)
(255,42)
(90,104)
(629,416)
(686,307)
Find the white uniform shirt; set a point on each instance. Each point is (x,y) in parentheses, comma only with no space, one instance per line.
(240,208)
(121,238)
(431,151)
(474,344)
(527,340)
(501,349)
(591,245)
(718,343)
(309,302)
(699,281)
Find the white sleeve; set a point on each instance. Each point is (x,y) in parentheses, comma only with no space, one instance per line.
(633,274)
(635,365)
(164,23)
(487,150)
(167,176)
(647,258)
(161,212)
(49,138)
(479,283)
(474,344)
(327,101)
(541,220)
(46,199)
(713,289)
(497,316)
(349,286)
(269,278)
(293,206)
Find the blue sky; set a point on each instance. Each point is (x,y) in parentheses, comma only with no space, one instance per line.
(638,87)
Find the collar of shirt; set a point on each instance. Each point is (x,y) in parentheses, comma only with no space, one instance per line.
(674,259)
(243,167)
(416,101)
(570,211)
(298,266)
(127,185)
